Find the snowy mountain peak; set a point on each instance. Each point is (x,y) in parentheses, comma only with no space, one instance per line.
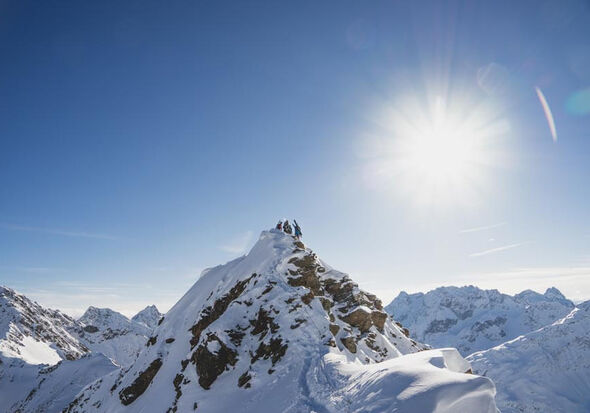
(473,319)
(149,316)
(35,334)
(104,318)
(276,330)
(111,333)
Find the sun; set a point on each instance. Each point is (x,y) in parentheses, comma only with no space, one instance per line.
(438,155)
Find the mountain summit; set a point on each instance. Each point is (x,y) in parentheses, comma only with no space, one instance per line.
(278,330)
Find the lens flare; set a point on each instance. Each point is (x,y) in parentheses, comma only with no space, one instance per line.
(439,156)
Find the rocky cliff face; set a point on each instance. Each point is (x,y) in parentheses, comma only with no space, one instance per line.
(275,330)
(472,319)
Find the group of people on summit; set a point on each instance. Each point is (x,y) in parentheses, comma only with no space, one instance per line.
(286,227)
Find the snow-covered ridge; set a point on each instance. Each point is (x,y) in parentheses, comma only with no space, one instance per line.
(35,334)
(280,330)
(473,319)
(547,370)
(46,357)
(39,388)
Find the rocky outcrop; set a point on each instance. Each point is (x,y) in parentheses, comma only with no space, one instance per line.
(212,358)
(212,313)
(129,394)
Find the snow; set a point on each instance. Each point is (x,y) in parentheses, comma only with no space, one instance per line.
(472,319)
(33,388)
(33,333)
(416,383)
(148,317)
(35,352)
(547,370)
(116,336)
(254,297)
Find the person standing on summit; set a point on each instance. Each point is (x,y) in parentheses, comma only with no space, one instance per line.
(287,227)
(280,225)
(298,233)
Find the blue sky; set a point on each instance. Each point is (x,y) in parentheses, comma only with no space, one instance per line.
(141,142)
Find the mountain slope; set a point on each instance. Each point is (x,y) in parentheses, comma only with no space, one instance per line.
(547,370)
(39,388)
(278,330)
(472,319)
(149,317)
(111,333)
(35,334)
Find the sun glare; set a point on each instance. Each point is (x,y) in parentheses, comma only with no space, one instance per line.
(438,156)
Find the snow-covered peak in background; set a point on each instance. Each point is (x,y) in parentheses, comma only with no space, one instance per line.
(35,334)
(149,317)
(547,370)
(473,319)
(105,318)
(280,330)
(111,333)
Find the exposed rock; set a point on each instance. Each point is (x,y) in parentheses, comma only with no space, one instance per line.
(90,329)
(129,394)
(440,326)
(334,329)
(275,350)
(244,380)
(307,268)
(326,303)
(211,365)
(212,313)
(339,290)
(298,322)
(263,323)
(359,319)
(378,318)
(307,298)
(235,336)
(349,343)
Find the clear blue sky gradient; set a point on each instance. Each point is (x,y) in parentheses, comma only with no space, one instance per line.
(143,141)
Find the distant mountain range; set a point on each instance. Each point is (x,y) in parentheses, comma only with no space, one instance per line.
(472,319)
